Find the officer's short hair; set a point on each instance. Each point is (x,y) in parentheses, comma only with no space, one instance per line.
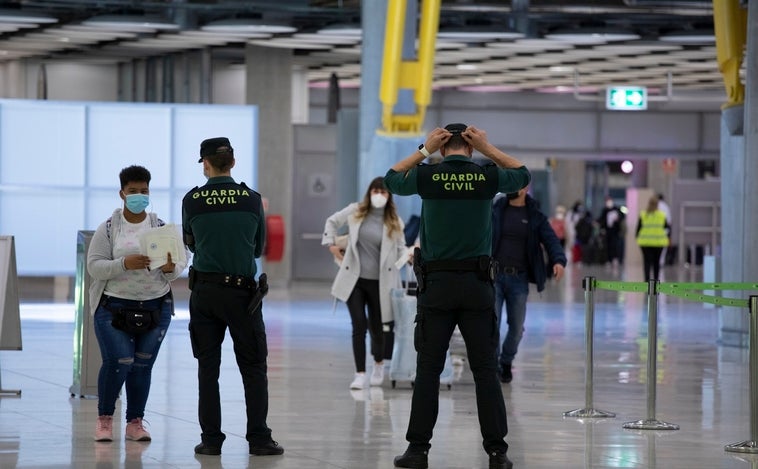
(218,151)
(456,140)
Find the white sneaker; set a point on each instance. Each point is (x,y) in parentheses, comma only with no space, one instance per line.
(377,376)
(359,382)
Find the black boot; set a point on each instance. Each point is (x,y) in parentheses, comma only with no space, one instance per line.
(498,460)
(413,459)
(505,373)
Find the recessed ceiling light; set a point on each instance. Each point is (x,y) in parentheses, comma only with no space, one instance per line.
(287,43)
(342,29)
(130,23)
(243,25)
(489,88)
(466,67)
(322,38)
(692,36)
(12,27)
(591,35)
(18,16)
(477,33)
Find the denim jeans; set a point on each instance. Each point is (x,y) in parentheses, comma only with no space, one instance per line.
(513,290)
(128,358)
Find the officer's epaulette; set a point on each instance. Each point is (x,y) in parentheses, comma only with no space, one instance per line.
(251,190)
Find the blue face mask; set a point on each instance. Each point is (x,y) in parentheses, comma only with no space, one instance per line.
(137,203)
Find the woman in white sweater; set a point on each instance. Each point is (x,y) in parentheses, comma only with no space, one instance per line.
(367,271)
(131,305)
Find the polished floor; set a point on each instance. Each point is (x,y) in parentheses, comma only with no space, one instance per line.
(702,387)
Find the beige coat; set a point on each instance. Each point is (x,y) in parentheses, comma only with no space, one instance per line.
(347,276)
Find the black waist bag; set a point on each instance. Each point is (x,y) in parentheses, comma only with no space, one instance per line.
(135,321)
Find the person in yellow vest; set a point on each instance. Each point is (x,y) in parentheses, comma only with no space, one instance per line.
(652,236)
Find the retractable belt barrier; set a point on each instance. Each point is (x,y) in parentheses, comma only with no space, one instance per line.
(689,291)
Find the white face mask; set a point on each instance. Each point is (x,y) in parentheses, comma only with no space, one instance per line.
(378,200)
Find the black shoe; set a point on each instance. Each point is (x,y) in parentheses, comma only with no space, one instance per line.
(207,450)
(270,448)
(505,374)
(413,459)
(498,460)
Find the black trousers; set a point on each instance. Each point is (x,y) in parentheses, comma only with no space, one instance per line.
(651,262)
(366,314)
(450,299)
(213,309)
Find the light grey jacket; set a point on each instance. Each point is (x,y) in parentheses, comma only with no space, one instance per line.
(391,250)
(101,265)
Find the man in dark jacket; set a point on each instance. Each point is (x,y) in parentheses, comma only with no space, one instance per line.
(519,232)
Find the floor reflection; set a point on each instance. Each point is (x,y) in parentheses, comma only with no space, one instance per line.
(700,385)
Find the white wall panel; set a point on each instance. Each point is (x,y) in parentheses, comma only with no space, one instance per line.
(59,166)
(40,142)
(121,135)
(44,223)
(195,123)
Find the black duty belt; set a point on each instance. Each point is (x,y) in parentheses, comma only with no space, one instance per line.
(231,280)
(511,270)
(464,265)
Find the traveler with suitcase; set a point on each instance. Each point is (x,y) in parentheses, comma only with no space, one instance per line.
(367,272)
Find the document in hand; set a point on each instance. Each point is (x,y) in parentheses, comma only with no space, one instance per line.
(157,242)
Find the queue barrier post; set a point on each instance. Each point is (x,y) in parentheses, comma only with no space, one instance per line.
(651,423)
(751,445)
(588,283)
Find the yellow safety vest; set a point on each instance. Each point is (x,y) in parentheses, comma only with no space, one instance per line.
(653,230)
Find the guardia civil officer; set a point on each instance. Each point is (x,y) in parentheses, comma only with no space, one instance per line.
(223,224)
(455,274)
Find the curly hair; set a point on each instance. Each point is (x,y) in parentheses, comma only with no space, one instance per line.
(134,173)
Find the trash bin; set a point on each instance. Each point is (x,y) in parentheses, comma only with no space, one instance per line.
(86,351)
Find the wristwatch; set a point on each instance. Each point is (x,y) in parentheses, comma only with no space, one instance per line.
(422,149)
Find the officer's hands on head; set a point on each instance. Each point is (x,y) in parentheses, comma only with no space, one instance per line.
(436,139)
(475,137)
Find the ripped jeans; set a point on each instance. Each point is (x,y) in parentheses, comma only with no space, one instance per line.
(128,358)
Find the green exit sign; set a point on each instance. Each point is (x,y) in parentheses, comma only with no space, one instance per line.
(626,98)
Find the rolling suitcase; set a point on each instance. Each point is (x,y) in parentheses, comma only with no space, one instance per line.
(403,364)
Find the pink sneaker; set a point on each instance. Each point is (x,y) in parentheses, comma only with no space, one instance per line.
(136,432)
(104,428)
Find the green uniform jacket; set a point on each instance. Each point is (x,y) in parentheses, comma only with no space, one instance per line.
(456,208)
(224,226)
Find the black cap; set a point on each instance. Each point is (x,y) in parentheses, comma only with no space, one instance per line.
(215,146)
(456,128)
